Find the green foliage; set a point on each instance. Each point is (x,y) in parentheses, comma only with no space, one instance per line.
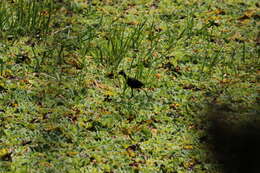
(24,17)
(61,102)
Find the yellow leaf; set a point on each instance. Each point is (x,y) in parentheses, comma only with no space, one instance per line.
(219,11)
(132,23)
(246,21)
(154,131)
(109,93)
(72,153)
(7,73)
(188,164)
(188,147)
(249,13)
(158,75)
(236,36)
(215,18)
(174,105)
(130,153)
(46,164)
(155,54)
(4,152)
(14,105)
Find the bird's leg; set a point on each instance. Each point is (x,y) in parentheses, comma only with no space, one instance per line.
(145,93)
(132,92)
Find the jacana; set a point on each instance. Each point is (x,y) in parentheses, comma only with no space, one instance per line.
(131,82)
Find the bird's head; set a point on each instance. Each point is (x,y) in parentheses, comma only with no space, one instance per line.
(122,73)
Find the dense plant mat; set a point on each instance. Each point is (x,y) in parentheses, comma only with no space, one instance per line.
(64,107)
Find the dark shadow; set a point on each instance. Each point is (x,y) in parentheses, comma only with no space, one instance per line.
(234,137)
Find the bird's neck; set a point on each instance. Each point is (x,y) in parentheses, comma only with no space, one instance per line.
(125,76)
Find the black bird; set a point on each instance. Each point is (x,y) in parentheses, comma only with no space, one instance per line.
(131,82)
